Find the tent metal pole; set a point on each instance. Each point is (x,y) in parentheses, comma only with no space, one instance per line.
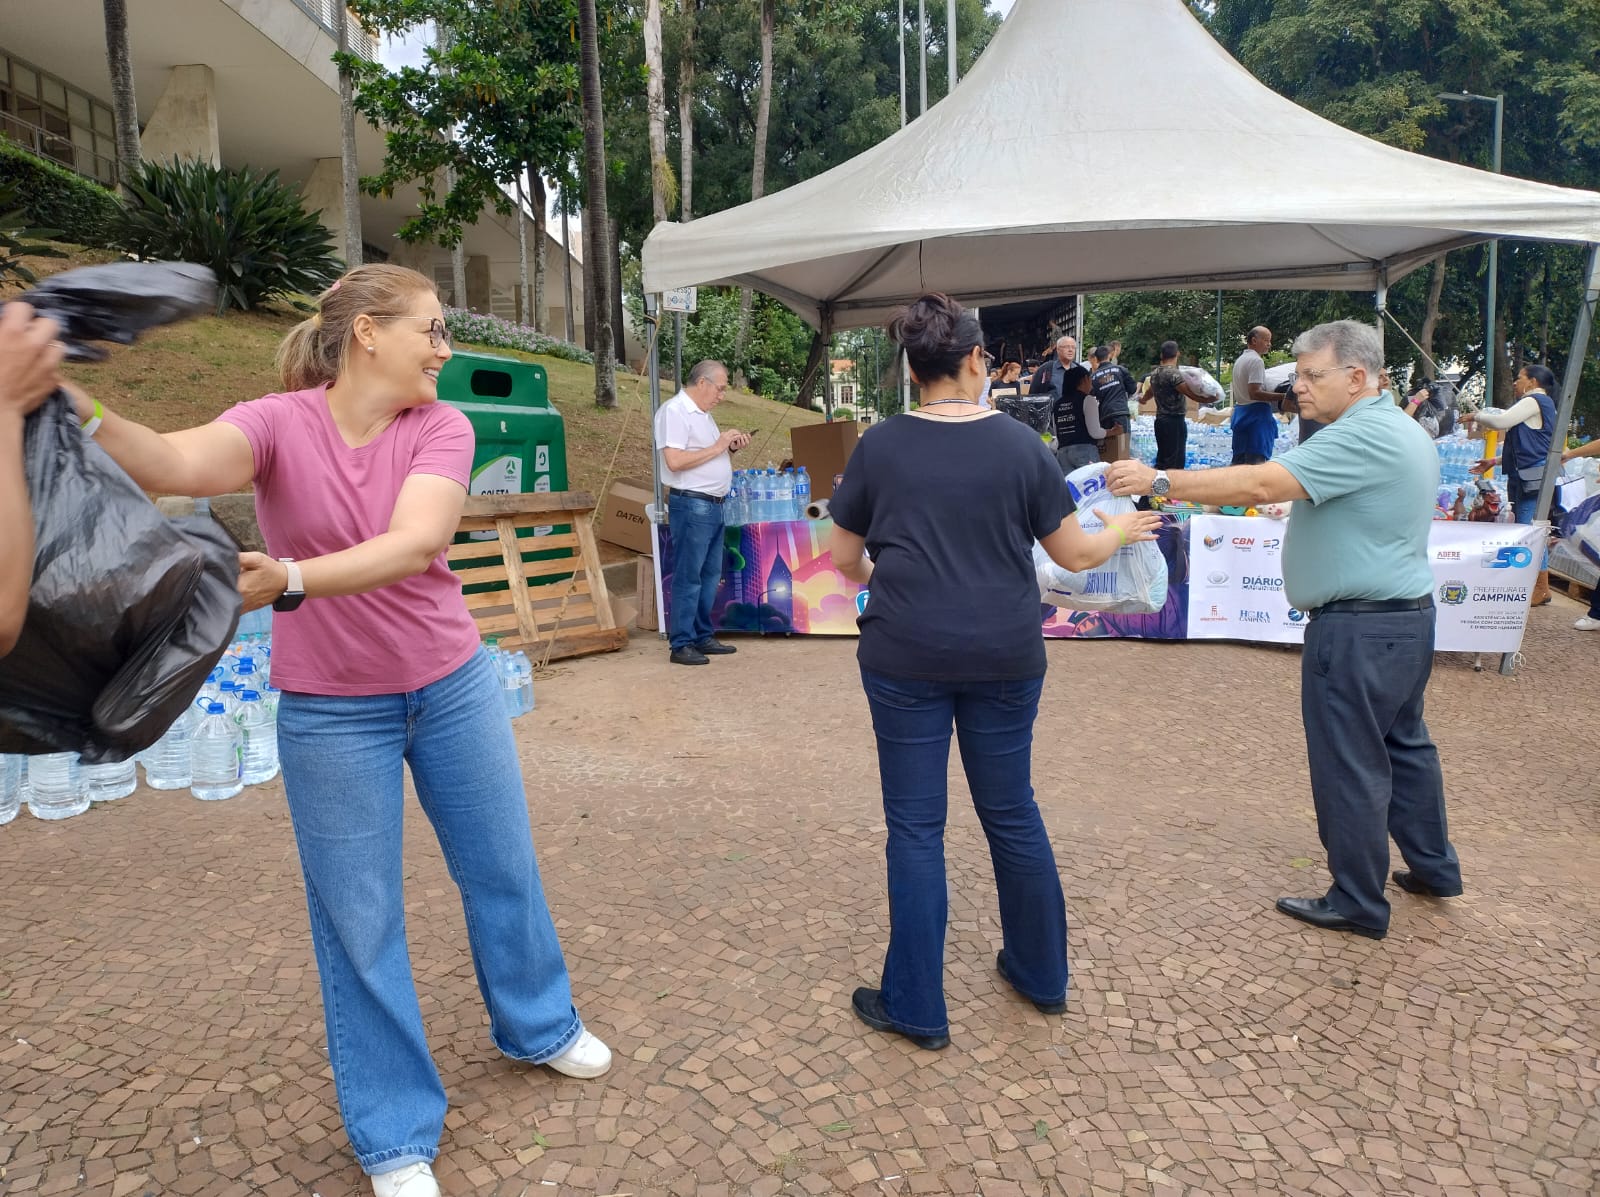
(652,314)
(902,63)
(922,57)
(1219,334)
(1581,330)
(905,382)
(677,351)
(950,43)
(1380,300)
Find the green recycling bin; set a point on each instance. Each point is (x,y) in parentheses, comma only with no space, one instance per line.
(521,440)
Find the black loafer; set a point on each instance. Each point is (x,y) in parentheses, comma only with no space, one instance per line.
(1407,881)
(1043,1007)
(868,1004)
(689,655)
(1318,913)
(715,648)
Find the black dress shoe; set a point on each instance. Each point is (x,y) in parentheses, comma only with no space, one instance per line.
(1043,1007)
(868,1005)
(713,647)
(1407,881)
(1318,913)
(689,655)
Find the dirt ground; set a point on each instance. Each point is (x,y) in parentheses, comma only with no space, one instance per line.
(712,847)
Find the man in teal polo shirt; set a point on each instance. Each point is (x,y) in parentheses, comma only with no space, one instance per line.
(1355,559)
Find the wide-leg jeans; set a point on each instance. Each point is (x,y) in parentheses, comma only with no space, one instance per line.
(343,763)
(994,727)
(696,527)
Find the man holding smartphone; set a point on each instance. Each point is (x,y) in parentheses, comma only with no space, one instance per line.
(697,467)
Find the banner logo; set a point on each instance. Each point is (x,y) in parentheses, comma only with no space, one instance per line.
(1511,556)
(1212,542)
(1243,542)
(1254,617)
(1296,615)
(1453,594)
(1266,582)
(1499,594)
(1447,555)
(1217,578)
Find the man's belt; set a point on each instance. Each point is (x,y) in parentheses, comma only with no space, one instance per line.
(1371,606)
(696,494)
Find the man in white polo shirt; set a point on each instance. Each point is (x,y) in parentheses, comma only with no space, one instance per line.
(697,470)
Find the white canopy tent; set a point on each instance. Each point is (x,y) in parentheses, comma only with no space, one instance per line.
(1147,159)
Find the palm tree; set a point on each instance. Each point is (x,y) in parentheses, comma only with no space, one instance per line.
(661,181)
(124,107)
(758,169)
(349,172)
(597,235)
(686,115)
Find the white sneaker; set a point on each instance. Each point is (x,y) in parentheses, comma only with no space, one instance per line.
(414,1180)
(1588,624)
(587,1057)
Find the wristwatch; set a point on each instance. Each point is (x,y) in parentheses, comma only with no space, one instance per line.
(1161,485)
(295,593)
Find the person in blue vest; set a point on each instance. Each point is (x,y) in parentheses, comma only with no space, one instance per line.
(1528,425)
(1355,560)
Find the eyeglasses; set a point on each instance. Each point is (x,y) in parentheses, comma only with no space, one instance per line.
(438,334)
(1316,376)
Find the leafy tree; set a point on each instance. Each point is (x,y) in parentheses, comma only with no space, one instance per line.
(1376,66)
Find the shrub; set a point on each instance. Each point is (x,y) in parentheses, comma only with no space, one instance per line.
(844,413)
(12,246)
(54,197)
(248,227)
(477,329)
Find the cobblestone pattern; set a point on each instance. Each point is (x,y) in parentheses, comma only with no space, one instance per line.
(712,847)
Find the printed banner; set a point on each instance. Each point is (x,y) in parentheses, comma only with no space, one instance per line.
(1225,582)
(1483,577)
(1236,581)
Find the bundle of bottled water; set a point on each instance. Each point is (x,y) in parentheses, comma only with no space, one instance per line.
(1208,445)
(1457,455)
(225,740)
(514,673)
(768,496)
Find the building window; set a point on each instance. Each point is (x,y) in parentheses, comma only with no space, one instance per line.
(45,115)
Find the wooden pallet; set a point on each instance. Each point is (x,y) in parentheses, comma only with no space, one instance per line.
(568,616)
(1571,586)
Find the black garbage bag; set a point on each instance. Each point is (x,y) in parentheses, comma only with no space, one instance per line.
(1036,411)
(118,301)
(128,610)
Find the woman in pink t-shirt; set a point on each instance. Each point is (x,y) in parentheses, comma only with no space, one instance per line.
(359,476)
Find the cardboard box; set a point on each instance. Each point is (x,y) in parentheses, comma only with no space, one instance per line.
(624,521)
(823,449)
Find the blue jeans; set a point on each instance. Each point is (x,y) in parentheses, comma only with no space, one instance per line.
(696,527)
(994,727)
(343,770)
(1523,511)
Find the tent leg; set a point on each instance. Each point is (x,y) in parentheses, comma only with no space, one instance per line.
(1569,383)
(652,314)
(905,382)
(1380,301)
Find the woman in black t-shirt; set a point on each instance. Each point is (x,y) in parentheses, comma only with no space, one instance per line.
(948,501)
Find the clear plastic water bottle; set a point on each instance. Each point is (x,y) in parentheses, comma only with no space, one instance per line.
(166,762)
(731,517)
(524,673)
(230,695)
(802,491)
(10,787)
(510,686)
(214,751)
(210,689)
(107,783)
(55,788)
(771,513)
(247,673)
(783,491)
(259,729)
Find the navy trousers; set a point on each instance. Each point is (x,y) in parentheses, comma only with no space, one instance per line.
(1374,770)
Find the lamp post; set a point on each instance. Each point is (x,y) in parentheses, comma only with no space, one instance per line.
(1489,347)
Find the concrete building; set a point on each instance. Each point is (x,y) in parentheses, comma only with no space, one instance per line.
(241,83)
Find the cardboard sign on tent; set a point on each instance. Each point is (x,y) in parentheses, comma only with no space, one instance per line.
(1190,174)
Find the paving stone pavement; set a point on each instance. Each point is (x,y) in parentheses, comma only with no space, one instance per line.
(711,844)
